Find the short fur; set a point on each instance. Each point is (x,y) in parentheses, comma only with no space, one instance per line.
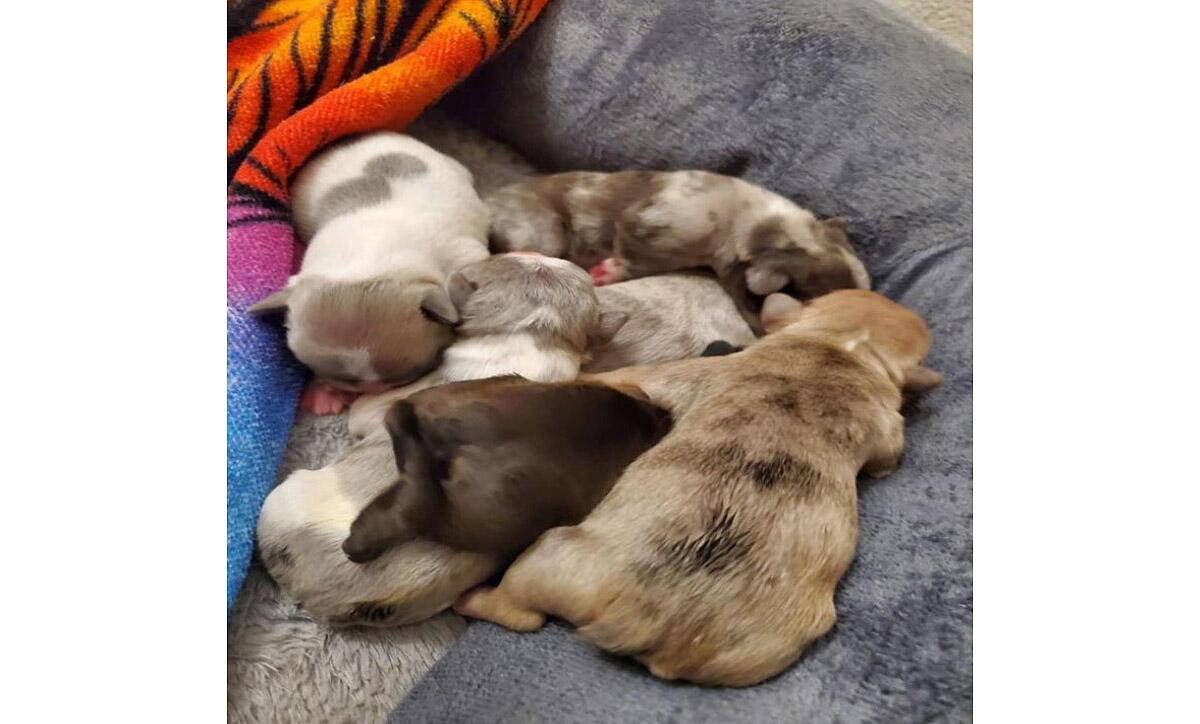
(489,465)
(528,315)
(639,223)
(386,220)
(670,317)
(716,555)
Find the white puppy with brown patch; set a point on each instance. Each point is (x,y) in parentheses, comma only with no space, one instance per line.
(386,219)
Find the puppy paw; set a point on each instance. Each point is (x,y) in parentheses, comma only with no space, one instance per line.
(492,604)
(609,271)
(321,399)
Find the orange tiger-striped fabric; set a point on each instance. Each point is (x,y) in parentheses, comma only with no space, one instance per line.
(302,73)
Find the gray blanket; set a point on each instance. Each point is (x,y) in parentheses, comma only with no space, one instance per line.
(847,109)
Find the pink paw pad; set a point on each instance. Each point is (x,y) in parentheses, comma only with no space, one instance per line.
(609,271)
(321,399)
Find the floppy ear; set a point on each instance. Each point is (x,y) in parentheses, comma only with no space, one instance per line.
(762,281)
(460,289)
(378,526)
(401,424)
(436,306)
(920,379)
(834,231)
(276,302)
(775,308)
(607,326)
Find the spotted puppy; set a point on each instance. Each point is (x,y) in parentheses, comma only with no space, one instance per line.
(489,465)
(669,317)
(386,219)
(639,223)
(716,555)
(521,314)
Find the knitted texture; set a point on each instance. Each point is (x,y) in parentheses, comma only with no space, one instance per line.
(302,74)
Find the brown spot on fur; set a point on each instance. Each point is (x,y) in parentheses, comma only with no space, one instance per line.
(729,462)
(785,401)
(367,612)
(767,473)
(721,544)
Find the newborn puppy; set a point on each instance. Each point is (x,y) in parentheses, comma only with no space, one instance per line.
(670,317)
(716,555)
(386,220)
(523,314)
(638,223)
(300,532)
(489,465)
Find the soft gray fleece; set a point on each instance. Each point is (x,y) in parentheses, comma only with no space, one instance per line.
(847,109)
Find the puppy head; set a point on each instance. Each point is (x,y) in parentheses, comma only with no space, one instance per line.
(797,254)
(523,292)
(855,317)
(367,335)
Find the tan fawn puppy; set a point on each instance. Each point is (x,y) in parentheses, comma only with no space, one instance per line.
(716,554)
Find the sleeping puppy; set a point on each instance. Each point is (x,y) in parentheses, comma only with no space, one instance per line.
(669,317)
(300,532)
(520,314)
(489,465)
(715,556)
(386,219)
(639,223)
(523,314)
(523,457)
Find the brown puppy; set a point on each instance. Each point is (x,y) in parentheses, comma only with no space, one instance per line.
(638,223)
(488,465)
(715,556)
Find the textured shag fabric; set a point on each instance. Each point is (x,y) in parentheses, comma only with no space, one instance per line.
(847,109)
(302,74)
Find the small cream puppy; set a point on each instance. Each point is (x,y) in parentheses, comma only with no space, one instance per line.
(386,220)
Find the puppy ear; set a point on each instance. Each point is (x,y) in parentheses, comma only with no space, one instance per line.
(920,379)
(276,302)
(436,306)
(378,527)
(607,326)
(460,289)
(401,424)
(763,281)
(776,308)
(834,231)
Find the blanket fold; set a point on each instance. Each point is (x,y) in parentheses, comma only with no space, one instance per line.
(300,75)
